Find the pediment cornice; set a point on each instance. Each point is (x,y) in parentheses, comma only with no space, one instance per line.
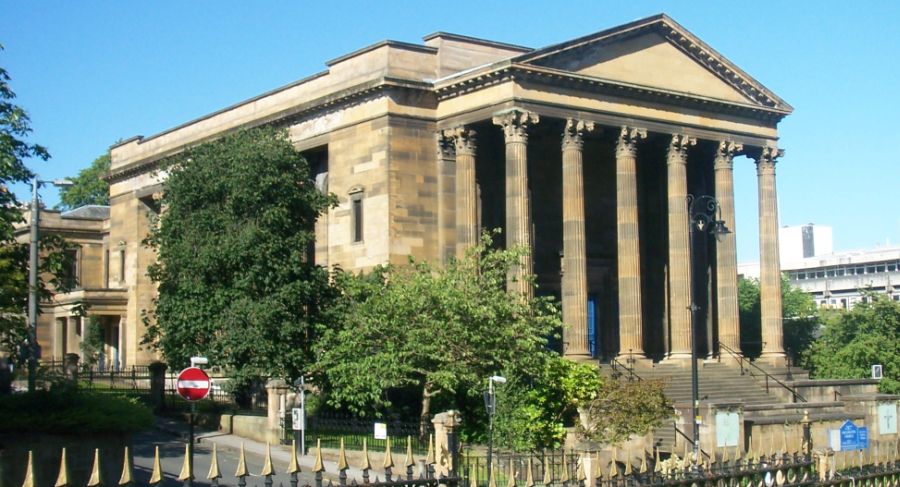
(560,78)
(678,36)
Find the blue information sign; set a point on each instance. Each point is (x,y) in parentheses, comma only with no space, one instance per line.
(853,437)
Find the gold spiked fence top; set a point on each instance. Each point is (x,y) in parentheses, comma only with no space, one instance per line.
(880,464)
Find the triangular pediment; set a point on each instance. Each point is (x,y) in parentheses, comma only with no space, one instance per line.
(659,54)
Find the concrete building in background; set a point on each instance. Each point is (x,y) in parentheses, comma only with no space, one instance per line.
(834,279)
(585,151)
(804,241)
(840,280)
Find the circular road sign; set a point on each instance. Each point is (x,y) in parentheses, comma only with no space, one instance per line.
(193,384)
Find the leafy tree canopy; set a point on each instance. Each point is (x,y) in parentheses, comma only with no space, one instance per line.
(89,187)
(854,340)
(797,308)
(441,331)
(234,281)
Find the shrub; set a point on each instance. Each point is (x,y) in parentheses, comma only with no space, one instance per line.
(72,412)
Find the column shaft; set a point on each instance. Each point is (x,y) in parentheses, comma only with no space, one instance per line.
(574,278)
(466,191)
(726,253)
(518,211)
(679,248)
(446,171)
(628,236)
(769,267)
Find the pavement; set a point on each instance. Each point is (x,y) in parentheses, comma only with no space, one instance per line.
(171,435)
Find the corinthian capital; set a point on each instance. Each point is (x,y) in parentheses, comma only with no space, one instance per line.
(765,161)
(445,146)
(678,147)
(515,124)
(463,138)
(725,153)
(628,139)
(573,133)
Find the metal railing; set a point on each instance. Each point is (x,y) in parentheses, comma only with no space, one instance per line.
(688,439)
(768,377)
(616,364)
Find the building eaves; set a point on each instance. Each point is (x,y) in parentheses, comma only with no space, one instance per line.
(477,40)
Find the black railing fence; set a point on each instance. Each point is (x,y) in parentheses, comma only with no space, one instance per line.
(330,429)
(581,469)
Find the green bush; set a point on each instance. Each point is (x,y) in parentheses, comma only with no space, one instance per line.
(72,412)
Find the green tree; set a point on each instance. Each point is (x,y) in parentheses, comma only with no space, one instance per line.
(15,126)
(798,311)
(89,187)
(234,280)
(854,340)
(440,331)
(534,412)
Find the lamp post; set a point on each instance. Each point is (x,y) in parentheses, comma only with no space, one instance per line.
(490,402)
(33,350)
(705,217)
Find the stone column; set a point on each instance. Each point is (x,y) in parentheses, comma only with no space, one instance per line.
(446,171)
(515,125)
(466,191)
(769,266)
(574,265)
(679,248)
(628,236)
(726,253)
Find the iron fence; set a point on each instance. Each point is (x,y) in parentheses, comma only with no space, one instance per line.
(550,469)
(330,429)
(429,476)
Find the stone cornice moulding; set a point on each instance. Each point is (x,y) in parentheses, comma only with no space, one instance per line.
(544,75)
(325,104)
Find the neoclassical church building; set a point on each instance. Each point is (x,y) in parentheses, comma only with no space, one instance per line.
(585,151)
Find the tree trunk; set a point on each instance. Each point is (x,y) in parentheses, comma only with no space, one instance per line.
(426,412)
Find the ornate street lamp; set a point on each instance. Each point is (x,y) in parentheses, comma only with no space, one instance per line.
(705,218)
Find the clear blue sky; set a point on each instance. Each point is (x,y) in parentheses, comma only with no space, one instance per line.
(90,73)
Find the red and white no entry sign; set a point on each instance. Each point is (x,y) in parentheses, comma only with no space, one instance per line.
(193,384)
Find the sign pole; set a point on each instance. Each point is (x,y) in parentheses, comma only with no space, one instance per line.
(303,412)
(190,481)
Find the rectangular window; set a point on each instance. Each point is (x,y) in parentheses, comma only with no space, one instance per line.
(106,268)
(357,218)
(831,273)
(70,271)
(840,272)
(892,267)
(879,268)
(870,269)
(122,266)
(820,274)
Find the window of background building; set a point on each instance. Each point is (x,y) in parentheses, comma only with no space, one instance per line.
(892,267)
(356,215)
(122,266)
(70,271)
(820,274)
(831,273)
(106,268)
